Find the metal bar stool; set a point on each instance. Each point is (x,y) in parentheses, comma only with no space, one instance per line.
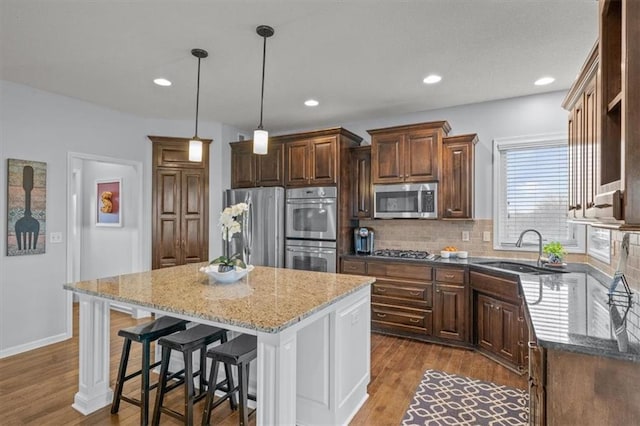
(145,334)
(239,352)
(187,342)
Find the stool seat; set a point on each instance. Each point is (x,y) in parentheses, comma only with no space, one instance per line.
(195,337)
(153,330)
(239,352)
(144,334)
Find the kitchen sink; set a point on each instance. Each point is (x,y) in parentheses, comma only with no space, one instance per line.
(519,267)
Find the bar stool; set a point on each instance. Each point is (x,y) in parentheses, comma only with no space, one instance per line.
(239,352)
(145,334)
(187,342)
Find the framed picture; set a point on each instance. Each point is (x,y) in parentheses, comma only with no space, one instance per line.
(109,202)
(26,207)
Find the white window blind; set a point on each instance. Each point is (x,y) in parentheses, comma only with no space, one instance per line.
(532,192)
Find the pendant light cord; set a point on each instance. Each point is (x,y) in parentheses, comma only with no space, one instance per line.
(197,99)
(264,55)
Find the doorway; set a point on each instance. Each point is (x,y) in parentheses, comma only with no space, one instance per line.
(95,250)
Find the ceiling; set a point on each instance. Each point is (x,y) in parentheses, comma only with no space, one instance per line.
(359,59)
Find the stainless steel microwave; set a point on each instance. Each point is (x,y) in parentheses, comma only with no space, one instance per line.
(402,201)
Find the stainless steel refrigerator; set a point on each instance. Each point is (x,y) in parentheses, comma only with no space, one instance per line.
(262,239)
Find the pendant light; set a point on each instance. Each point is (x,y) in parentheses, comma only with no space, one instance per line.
(261,136)
(195,144)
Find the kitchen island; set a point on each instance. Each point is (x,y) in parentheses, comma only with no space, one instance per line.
(313,333)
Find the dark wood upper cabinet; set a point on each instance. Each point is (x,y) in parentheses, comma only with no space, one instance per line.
(311,162)
(603,122)
(361,182)
(180,200)
(410,153)
(457,183)
(251,170)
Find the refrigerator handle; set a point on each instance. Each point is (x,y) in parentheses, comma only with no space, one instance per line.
(247,231)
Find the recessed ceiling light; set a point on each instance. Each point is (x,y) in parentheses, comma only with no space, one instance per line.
(162,82)
(311,102)
(544,81)
(432,78)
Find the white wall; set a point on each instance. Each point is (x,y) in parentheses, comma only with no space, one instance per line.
(528,115)
(108,251)
(42,126)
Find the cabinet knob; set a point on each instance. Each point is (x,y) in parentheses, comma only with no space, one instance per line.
(438,290)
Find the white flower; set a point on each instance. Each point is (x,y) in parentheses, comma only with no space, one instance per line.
(228,223)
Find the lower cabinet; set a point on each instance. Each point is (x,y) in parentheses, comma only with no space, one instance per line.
(498,315)
(416,300)
(497,328)
(450,306)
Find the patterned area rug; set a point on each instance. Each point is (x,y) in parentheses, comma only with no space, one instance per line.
(448,399)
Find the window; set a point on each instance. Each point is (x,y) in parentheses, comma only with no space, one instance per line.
(531,187)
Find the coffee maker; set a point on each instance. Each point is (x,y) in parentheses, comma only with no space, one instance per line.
(363,240)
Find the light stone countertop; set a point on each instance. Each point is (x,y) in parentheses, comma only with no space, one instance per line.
(267,299)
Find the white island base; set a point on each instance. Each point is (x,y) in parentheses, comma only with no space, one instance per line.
(313,372)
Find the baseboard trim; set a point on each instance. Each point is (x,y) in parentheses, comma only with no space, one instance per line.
(34,345)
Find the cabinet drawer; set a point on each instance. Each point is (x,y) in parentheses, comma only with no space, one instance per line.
(496,286)
(399,270)
(358,267)
(448,275)
(395,315)
(406,290)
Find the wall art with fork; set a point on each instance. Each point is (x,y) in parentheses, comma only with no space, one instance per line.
(26,207)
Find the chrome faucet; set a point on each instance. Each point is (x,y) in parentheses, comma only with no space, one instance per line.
(519,244)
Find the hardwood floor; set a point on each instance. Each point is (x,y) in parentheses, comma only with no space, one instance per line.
(37,387)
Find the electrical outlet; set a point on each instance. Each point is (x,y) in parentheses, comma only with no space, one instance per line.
(465,235)
(55,237)
(486,236)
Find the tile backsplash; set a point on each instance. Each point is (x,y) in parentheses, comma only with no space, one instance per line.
(433,235)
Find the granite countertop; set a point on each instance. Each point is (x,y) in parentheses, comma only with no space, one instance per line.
(568,310)
(267,299)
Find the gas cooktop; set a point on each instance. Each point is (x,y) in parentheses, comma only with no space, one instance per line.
(405,254)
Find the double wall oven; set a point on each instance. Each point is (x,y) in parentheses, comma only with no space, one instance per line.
(311,229)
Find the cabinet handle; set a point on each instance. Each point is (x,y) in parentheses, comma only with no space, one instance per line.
(414,320)
(532,345)
(602,206)
(184,244)
(449,276)
(497,307)
(520,343)
(381,290)
(177,243)
(590,204)
(437,290)
(381,315)
(414,293)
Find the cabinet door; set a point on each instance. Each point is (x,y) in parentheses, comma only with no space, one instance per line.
(488,323)
(421,156)
(270,167)
(508,332)
(591,132)
(361,183)
(242,165)
(167,241)
(193,242)
(323,161)
(457,181)
(576,146)
(387,158)
(297,163)
(449,311)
